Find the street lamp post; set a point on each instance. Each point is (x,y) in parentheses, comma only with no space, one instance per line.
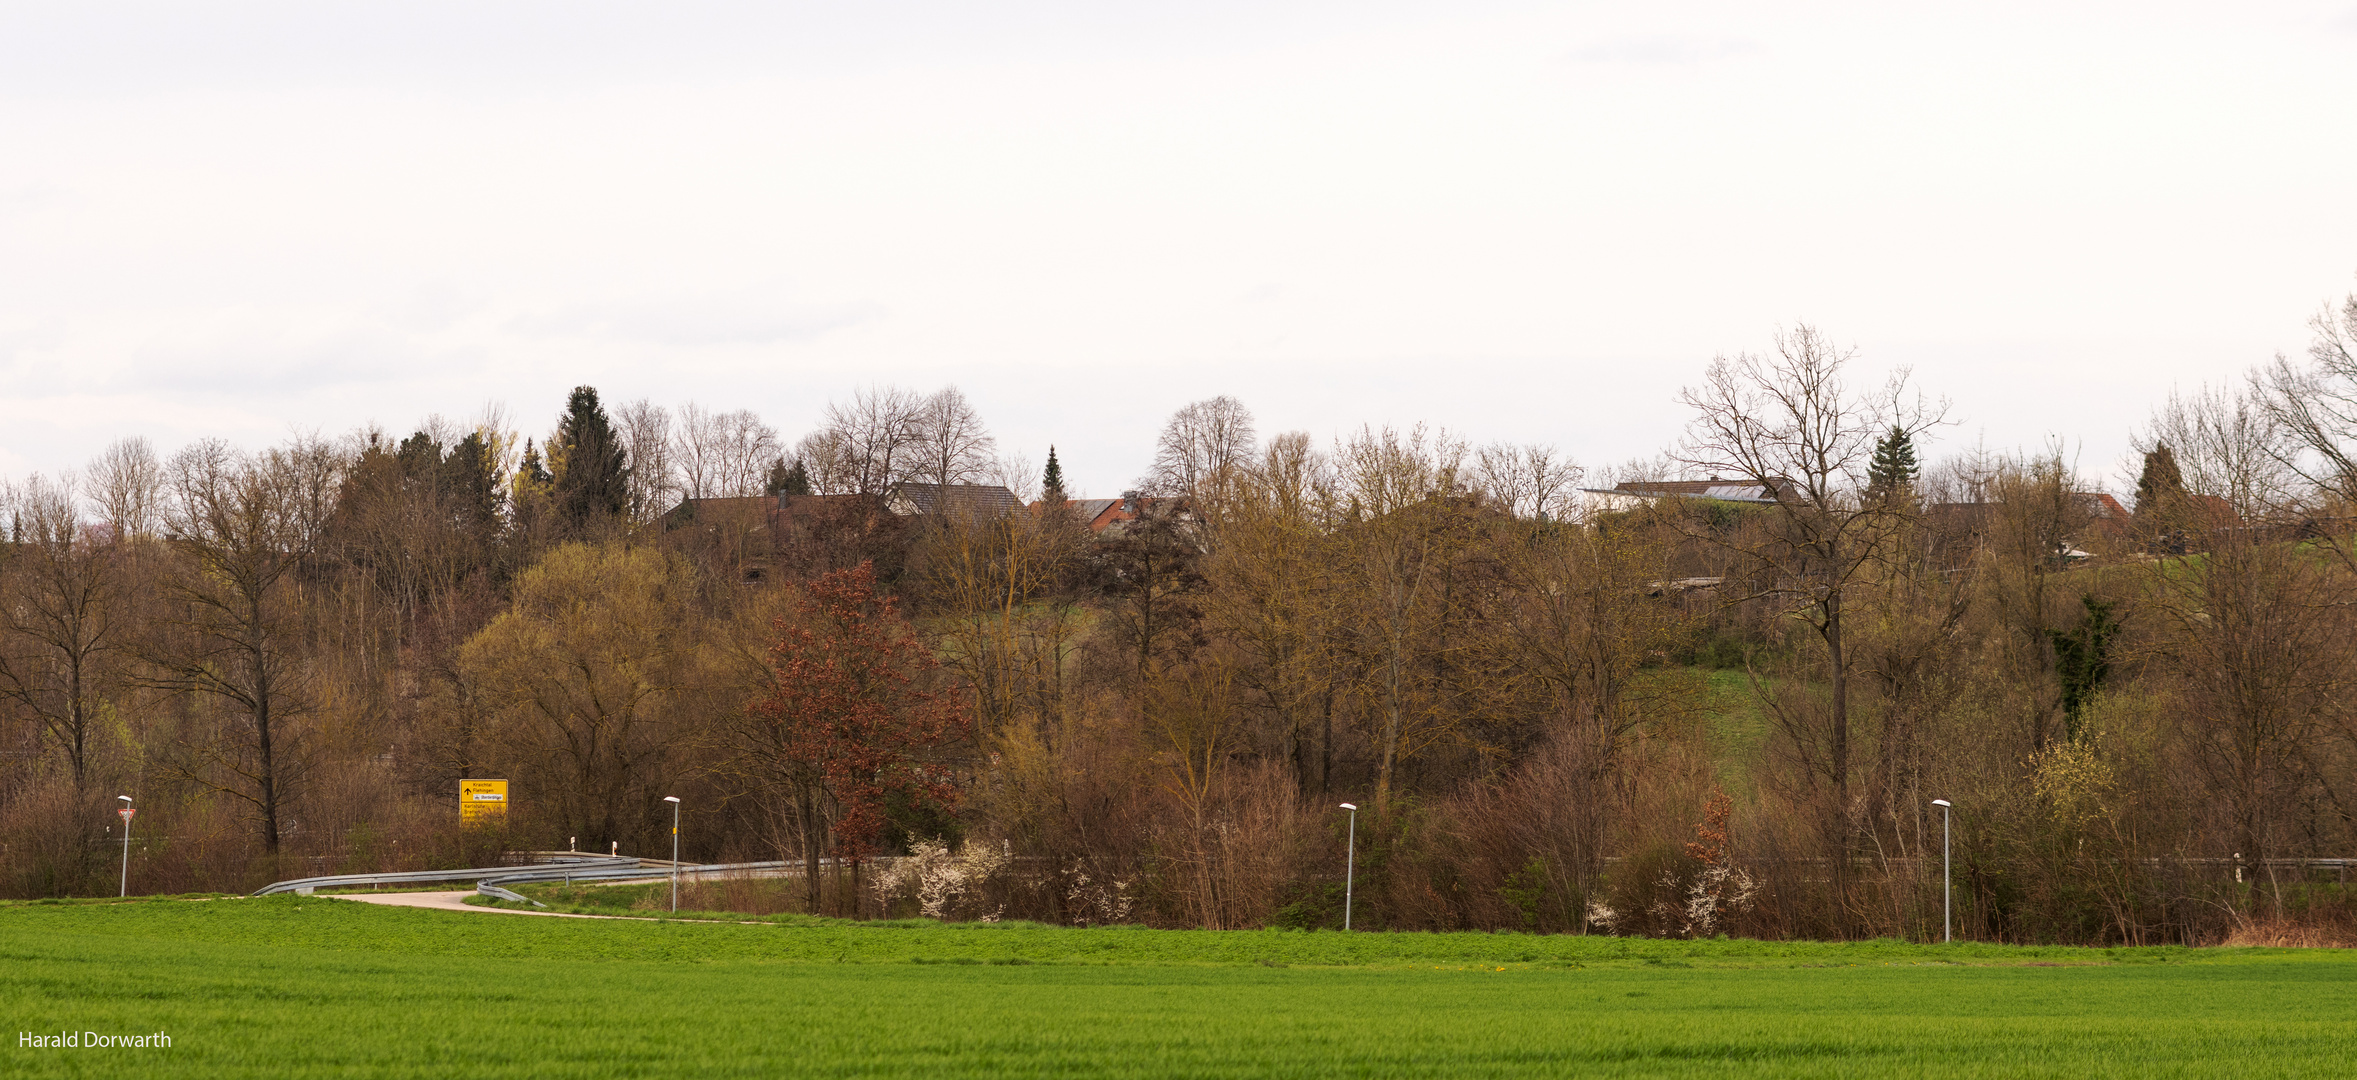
(1947,875)
(126,811)
(674,801)
(1350,862)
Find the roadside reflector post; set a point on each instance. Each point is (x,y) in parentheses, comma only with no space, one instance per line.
(1350,862)
(126,811)
(1947,874)
(674,801)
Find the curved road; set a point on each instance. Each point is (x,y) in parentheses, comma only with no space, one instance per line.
(454,901)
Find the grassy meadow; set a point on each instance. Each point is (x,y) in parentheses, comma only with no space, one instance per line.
(300,987)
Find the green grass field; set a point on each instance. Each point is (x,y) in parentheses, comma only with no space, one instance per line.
(299,987)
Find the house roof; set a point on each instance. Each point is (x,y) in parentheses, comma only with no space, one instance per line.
(756,507)
(2100,506)
(1095,514)
(978,500)
(1713,488)
(1089,510)
(792,506)
(2215,511)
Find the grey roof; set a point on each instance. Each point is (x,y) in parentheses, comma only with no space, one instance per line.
(1713,488)
(979,500)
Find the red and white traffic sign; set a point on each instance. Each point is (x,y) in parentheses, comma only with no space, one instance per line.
(127,812)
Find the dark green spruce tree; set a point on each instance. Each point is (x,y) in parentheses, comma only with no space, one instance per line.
(592,480)
(787,477)
(1051,482)
(1893,470)
(531,471)
(2160,486)
(471,474)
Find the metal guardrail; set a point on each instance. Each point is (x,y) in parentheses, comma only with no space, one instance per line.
(587,864)
(497,893)
(567,866)
(644,869)
(588,868)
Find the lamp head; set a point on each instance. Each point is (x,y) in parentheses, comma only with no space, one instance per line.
(125,798)
(1350,806)
(670,798)
(1941,802)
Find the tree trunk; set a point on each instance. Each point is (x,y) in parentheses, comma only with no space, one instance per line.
(1838,760)
(1391,725)
(1326,748)
(807,811)
(264,747)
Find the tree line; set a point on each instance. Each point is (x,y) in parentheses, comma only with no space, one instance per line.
(1715,691)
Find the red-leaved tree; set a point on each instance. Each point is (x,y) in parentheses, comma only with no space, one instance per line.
(845,727)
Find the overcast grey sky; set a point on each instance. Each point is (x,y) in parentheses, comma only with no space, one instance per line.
(1520,221)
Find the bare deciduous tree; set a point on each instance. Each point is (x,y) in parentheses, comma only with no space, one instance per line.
(1270,596)
(127,483)
(1200,443)
(2037,512)
(1577,639)
(1015,473)
(825,457)
(952,445)
(2261,644)
(873,440)
(1398,543)
(62,616)
(646,447)
(1789,424)
(1530,481)
(723,455)
(244,526)
(992,582)
(2228,445)
(2315,406)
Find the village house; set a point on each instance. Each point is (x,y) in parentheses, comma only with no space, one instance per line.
(912,499)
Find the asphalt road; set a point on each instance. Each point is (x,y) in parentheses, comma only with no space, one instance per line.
(453,901)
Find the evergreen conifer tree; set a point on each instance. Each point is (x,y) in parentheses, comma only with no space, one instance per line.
(528,493)
(473,479)
(787,477)
(532,474)
(1893,469)
(1051,482)
(592,480)
(2160,484)
(2161,509)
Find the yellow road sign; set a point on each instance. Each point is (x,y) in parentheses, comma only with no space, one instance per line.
(481,800)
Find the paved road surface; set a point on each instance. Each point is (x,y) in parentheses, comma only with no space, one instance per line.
(453,901)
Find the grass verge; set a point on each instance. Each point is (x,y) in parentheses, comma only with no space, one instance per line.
(301,987)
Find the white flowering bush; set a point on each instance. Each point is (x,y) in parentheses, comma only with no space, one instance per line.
(1718,891)
(1690,891)
(940,881)
(1094,902)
